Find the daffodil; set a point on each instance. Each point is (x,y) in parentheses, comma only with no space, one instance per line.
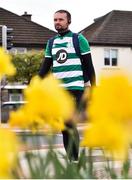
(108,136)
(110,113)
(48,104)
(8,152)
(23,118)
(48,98)
(6,67)
(113,97)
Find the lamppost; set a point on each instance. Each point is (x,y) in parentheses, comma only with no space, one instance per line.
(4,45)
(0,101)
(7,45)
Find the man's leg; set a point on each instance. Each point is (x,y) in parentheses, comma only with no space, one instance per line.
(71,141)
(70,134)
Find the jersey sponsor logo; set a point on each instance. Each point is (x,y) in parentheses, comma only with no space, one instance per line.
(61,56)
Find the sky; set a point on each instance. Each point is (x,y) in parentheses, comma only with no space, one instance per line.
(83,11)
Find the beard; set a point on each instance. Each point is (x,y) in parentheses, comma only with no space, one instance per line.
(60,29)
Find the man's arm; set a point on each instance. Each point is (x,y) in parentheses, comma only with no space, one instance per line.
(88,69)
(45,67)
(86,60)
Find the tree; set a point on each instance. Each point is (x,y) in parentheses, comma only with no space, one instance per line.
(27,65)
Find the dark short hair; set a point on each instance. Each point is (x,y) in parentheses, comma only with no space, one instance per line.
(67,13)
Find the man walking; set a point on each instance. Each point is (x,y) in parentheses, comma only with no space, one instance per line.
(76,71)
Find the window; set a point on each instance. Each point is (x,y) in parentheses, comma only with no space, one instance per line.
(15,97)
(21,50)
(18,50)
(7,107)
(110,57)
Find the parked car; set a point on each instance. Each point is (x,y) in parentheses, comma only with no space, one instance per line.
(9,106)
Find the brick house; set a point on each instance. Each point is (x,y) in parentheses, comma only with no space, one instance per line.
(27,35)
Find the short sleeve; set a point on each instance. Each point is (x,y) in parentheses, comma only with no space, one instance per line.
(84,45)
(47,51)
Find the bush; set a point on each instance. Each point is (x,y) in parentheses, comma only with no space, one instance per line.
(27,65)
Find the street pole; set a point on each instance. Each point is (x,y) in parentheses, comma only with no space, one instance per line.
(4,45)
(0,102)
(4,37)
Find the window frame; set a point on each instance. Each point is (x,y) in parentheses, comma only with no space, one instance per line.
(110,59)
(19,97)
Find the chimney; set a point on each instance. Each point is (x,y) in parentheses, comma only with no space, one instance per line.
(27,16)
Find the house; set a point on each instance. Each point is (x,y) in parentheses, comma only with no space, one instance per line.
(27,35)
(13,92)
(110,38)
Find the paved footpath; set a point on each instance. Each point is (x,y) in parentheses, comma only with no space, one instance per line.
(98,161)
(98,158)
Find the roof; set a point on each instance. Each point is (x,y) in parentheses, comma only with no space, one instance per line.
(114,28)
(25,31)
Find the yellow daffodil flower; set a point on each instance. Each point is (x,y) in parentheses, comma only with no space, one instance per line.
(6,67)
(109,136)
(48,104)
(8,152)
(113,97)
(45,96)
(110,113)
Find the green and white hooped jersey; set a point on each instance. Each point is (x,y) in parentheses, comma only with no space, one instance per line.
(66,63)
